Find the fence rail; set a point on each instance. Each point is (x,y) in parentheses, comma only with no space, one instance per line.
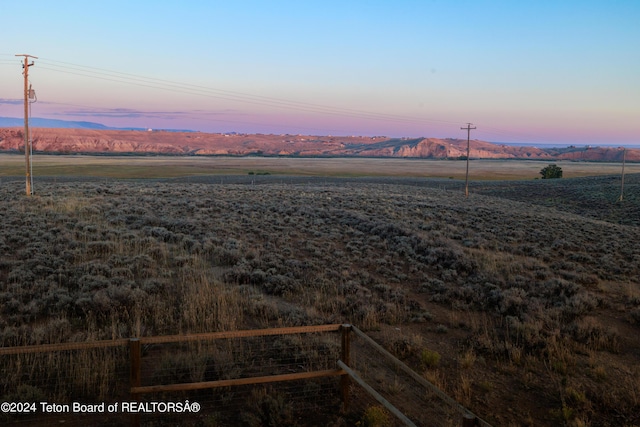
(47,348)
(397,413)
(239,381)
(44,348)
(240,334)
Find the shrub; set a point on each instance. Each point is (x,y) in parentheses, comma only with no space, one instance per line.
(267,409)
(597,337)
(429,358)
(551,172)
(442,329)
(375,416)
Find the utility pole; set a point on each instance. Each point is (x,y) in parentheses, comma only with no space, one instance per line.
(624,155)
(27,140)
(466,180)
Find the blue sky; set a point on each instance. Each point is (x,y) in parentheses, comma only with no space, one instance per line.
(541,72)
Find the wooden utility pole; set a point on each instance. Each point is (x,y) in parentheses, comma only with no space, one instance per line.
(27,140)
(624,155)
(466,180)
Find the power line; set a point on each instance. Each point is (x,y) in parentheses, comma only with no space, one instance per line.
(94,72)
(272,102)
(235,93)
(322,110)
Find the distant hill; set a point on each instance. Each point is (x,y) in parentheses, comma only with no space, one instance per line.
(37,122)
(109,141)
(50,123)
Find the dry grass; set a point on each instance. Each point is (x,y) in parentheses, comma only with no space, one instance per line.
(129,166)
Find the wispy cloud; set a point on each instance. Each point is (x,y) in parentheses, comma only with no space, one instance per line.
(122,113)
(11,101)
(131,113)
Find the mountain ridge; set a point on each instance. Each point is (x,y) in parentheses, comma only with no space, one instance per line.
(38,122)
(117,141)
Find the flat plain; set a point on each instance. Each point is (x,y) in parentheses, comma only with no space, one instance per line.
(173,166)
(521,301)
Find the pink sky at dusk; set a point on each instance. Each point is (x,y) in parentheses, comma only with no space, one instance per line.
(526,73)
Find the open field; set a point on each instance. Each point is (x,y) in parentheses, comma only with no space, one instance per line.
(169,166)
(522,301)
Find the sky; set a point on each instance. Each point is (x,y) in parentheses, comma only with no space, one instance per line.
(541,72)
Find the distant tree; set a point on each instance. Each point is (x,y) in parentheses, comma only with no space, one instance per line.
(550,172)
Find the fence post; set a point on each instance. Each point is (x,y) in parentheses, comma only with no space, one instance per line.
(345,356)
(135,351)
